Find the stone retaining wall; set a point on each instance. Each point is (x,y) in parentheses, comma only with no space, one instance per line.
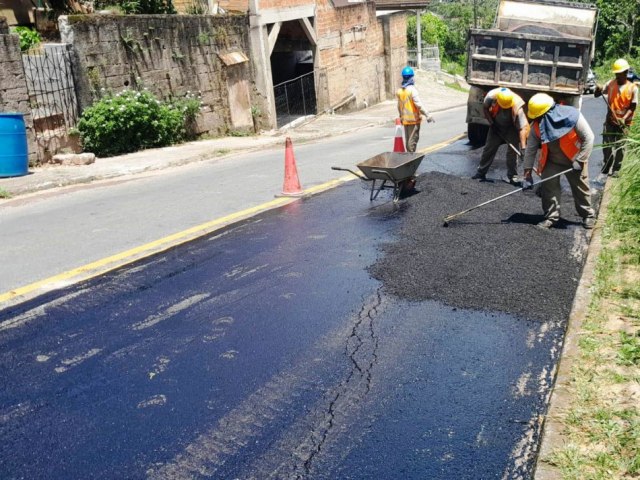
(13,86)
(171,56)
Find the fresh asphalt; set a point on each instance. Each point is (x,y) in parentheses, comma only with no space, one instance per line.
(331,338)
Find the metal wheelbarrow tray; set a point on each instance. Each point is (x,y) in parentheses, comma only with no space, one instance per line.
(397,168)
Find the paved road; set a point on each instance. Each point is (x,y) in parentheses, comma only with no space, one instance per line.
(295,345)
(47,234)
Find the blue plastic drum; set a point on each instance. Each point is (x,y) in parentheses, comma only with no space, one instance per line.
(14,154)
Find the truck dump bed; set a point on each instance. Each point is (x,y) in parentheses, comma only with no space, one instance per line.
(537,46)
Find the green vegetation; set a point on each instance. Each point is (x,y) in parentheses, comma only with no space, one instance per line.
(4,193)
(446,25)
(138,6)
(134,120)
(29,38)
(603,423)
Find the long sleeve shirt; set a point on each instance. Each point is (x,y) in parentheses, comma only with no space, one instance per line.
(556,155)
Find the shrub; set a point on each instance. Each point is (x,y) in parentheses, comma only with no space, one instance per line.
(139,6)
(29,38)
(133,120)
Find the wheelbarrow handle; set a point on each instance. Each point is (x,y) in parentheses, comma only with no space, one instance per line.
(352,172)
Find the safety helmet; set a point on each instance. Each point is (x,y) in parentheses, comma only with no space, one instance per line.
(620,65)
(539,104)
(505,98)
(407,72)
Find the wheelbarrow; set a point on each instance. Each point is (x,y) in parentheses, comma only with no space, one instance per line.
(396,168)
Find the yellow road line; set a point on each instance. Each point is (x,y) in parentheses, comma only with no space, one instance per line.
(121,259)
(440,145)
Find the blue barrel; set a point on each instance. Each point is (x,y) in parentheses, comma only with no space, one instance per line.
(14,154)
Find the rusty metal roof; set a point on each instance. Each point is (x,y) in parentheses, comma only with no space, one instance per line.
(401,4)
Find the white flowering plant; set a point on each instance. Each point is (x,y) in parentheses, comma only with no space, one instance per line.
(133,120)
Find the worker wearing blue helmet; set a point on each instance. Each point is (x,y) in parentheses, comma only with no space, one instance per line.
(411,109)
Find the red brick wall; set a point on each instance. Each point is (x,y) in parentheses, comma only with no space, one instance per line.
(351,53)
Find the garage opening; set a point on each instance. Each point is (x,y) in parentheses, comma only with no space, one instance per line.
(293,74)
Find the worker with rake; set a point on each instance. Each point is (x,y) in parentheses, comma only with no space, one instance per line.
(508,124)
(621,99)
(565,139)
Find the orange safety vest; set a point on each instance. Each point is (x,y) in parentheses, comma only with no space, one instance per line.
(620,99)
(570,145)
(409,113)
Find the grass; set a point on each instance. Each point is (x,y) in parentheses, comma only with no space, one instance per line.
(602,426)
(4,193)
(457,87)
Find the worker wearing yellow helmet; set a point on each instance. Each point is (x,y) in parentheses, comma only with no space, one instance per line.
(504,110)
(565,140)
(622,100)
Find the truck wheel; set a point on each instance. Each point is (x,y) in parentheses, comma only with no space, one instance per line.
(477,134)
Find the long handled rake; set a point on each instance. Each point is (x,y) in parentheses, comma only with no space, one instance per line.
(455,215)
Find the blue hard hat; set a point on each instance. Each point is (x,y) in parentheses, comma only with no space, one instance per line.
(407,72)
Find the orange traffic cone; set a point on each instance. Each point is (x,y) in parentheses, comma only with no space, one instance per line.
(398,143)
(291,186)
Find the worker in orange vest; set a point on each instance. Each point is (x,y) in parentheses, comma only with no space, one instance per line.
(504,110)
(622,99)
(565,139)
(411,109)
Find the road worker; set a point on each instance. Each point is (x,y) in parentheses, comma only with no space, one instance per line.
(622,99)
(565,139)
(411,109)
(508,124)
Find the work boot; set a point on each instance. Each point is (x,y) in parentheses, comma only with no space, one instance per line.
(479,176)
(515,181)
(588,222)
(546,224)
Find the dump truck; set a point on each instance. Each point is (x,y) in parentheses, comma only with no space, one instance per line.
(534,46)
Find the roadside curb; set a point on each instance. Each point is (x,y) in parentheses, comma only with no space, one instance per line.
(561,397)
(67,176)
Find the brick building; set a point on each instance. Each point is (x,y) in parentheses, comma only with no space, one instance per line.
(342,52)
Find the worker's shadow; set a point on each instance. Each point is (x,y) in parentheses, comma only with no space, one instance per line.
(528,219)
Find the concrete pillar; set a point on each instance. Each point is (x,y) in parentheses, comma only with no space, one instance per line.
(261,60)
(419,38)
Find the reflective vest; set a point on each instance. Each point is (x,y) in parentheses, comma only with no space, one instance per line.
(570,145)
(409,113)
(620,100)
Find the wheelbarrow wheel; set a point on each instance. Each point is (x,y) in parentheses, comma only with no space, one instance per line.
(409,185)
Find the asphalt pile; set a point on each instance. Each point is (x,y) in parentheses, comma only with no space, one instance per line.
(493,258)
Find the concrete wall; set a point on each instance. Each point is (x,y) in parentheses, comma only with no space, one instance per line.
(169,55)
(13,86)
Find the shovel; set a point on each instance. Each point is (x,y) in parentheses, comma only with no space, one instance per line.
(451,217)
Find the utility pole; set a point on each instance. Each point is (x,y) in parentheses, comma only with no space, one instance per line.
(475,13)
(419,38)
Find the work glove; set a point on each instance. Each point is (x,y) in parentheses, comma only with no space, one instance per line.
(577,166)
(429,119)
(527,180)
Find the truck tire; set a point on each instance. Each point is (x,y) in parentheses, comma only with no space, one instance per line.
(477,134)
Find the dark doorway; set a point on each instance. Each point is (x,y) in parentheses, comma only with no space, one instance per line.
(293,74)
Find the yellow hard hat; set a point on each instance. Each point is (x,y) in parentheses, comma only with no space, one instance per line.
(620,65)
(539,104)
(505,98)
